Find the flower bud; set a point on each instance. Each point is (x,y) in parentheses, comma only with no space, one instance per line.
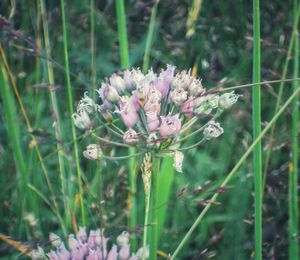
(81,119)
(178,96)
(212,130)
(130,137)
(112,94)
(55,240)
(188,106)
(196,88)
(124,252)
(87,104)
(81,235)
(212,100)
(113,253)
(93,152)
(123,239)
(143,252)
(227,100)
(117,82)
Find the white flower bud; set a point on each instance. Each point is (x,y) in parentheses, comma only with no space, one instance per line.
(227,100)
(130,137)
(143,252)
(55,240)
(178,159)
(38,254)
(112,94)
(178,96)
(93,152)
(123,239)
(117,82)
(81,119)
(212,130)
(86,104)
(196,88)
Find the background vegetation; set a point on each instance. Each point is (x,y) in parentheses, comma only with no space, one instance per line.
(39,169)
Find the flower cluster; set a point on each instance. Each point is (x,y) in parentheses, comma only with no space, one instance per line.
(153,111)
(92,247)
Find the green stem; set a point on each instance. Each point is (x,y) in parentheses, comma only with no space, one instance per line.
(256,106)
(70,99)
(233,172)
(150,37)
(146,221)
(154,238)
(122,31)
(293,175)
(57,118)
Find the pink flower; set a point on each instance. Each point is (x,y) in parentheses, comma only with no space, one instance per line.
(124,252)
(170,125)
(113,253)
(163,83)
(152,121)
(128,111)
(135,100)
(187,107)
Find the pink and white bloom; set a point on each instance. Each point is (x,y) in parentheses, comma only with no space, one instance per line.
(178,96)
(152,121)
(188,106)
(163,83)
(128,111)
(118,83)
(170,125)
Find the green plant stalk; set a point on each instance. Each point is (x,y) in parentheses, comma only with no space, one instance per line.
(70,99)
(122,31)
(280,91)
(154,211)
(146,221)
(14,137)
(234,171)
(293,175)
(93,47)
(256,110)
(57,117)
(150,37)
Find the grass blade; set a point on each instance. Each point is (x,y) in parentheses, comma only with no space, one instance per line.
(70,99)
(256,117)
(293,176)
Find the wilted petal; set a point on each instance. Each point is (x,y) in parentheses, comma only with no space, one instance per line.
(212,130)
(228,99)
(93,152)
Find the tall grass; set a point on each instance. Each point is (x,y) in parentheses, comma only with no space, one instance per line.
(293,174)
(256,110)
(70,99)
(57,117)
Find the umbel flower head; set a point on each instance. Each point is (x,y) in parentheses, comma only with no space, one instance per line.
(89,247)
(152,112)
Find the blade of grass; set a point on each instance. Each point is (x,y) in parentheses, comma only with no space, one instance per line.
(234,171)
(70,100)
(57,116)
(122,31)
(293,175)
(150,34)
(256,117)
